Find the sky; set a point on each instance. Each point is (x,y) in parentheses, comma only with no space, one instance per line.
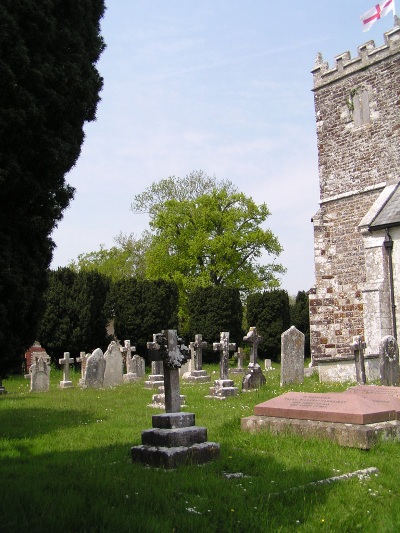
(223,86)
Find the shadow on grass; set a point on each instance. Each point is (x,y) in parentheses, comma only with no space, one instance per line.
(32,422)
(101,490)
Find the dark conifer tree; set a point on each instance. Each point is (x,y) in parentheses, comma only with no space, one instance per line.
(49,88)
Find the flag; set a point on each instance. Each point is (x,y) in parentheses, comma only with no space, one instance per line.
(375,13)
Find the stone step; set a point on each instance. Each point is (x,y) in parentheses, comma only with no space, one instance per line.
(172,457)
(182,436)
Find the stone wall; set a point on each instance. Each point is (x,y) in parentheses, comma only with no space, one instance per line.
(357,108)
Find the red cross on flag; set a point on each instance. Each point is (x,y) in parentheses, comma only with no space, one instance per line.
(375,13)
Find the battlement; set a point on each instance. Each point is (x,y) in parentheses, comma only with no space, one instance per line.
(367,55)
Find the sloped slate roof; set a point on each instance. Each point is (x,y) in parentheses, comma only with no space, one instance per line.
(389,215)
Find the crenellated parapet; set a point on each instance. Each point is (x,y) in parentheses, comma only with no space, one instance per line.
(368,54)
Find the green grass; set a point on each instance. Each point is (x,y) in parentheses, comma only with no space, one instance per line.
(65,466)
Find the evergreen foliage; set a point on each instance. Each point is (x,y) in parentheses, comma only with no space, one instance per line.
(270,313)
(75,319)
(142,308)
(300,317)
(212,310)
(49,88)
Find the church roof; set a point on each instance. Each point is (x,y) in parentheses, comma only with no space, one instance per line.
(389,215)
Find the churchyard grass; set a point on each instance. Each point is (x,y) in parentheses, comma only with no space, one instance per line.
(65,466)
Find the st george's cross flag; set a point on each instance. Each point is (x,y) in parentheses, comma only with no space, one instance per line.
(375,13)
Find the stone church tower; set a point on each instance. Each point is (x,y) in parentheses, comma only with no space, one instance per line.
(357,227)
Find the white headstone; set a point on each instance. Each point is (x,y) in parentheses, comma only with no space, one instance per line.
(40,375)
(114,365)
(94,372)
(292,356)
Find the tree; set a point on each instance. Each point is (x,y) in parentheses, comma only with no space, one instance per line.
(270,313)
(49,89)
(300,317)
(75,317)
(124,260)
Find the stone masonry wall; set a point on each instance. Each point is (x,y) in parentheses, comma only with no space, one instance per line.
(357,107)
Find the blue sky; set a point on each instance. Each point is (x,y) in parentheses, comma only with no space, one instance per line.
(218,85)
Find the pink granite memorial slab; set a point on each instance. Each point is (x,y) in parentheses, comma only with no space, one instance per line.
(342,407)
(383,395)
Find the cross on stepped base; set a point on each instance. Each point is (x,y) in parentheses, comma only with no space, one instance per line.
(65,362)
(223,387)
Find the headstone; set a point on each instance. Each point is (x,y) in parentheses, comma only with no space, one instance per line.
(223,387)
(31,355)
(82,360)
(95,367)
(352,418)
(130,375)
(197,374)
(389,361)
(39,373)
(239,355)
(358,347)
(292,356)
(174,438)
(268,365)
(65,362)
(113,373)
(138,365)
(254,378)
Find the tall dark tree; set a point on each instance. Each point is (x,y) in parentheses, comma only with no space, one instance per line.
(49,88)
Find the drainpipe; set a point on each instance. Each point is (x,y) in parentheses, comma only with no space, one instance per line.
(388,243)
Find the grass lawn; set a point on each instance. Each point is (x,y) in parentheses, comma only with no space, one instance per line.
(65,466)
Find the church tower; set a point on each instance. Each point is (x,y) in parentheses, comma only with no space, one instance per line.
(357,109)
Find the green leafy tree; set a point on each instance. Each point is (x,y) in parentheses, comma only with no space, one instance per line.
(75,317)
(124,260)
(49,88)
(300,317)
(209,234)
(270,313)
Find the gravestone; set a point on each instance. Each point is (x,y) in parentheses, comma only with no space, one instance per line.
(39,373)
(65,362)
(354,419)
(94,372)
(389,361)
(292,356)
(156,378)
(358,347)
(130,375)
(223,387)
(138,365)
(239,355)
(197,374)
(268,365)
(113,373)
(174,438)
(254,378)
(82,360)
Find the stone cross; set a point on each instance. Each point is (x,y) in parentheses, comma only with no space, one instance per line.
(196,349)
(254,339)
(173,355)
(358,347)
(224,346)
(82,359)
(128,349)
(389,361)
(65,362)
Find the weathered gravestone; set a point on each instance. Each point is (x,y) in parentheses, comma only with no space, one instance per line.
(82,360)
(292,356)
(65,362)
(239,355)
(254,377)
(389,361)
(197,374)
(358,347)
(39,373)
(174,438)
(94,372)
(132,364)
(348,418)
(156,378)
(223,387)
(113,373)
